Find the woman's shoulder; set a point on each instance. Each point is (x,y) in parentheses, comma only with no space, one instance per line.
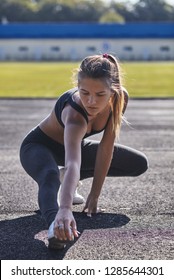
(68,93)
(63,99)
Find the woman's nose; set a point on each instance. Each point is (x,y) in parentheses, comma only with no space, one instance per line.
(91,100)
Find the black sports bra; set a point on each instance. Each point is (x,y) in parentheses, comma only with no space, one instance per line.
(67,97)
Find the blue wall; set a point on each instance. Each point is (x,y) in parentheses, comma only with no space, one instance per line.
(85,30)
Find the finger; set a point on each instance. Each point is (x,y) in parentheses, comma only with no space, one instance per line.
(57,234)
(84,208)
(59,230)
(101,210)
(74,229)
(91,211)
(96,211)
(89,215)
(68,230)
(56,230)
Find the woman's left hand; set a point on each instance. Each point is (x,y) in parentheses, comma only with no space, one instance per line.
(91,205)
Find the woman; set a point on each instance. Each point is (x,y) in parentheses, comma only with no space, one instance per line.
(96,104)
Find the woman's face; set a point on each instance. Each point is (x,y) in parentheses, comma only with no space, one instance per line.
(94,94)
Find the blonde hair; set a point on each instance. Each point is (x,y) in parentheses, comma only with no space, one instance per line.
(106,67)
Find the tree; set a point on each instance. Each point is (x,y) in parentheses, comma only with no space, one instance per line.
(16,10)
(84,11)
(111,16)
(156,10)
(124,10)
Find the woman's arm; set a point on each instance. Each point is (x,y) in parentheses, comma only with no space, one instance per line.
(73,134)
(75,129)
(102,164)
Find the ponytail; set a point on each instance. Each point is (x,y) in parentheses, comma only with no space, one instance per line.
(117,102)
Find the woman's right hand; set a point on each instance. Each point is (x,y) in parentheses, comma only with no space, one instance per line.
(65,225)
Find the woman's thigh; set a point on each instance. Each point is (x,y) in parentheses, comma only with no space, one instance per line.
(37,160)
(126,161)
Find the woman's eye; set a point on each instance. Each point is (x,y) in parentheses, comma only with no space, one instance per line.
(100,95)
(84,93)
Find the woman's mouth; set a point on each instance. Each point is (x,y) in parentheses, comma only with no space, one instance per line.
(92,108)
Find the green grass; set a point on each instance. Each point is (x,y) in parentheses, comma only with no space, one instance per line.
(150,79)
(46,79)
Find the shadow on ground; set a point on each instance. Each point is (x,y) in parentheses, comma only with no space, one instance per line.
(26,238)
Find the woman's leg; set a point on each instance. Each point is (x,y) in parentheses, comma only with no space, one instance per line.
(125,162)
(39,163)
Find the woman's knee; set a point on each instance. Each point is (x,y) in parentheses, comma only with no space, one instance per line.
(142,165)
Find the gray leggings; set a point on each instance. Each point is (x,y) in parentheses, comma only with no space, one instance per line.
(40,157)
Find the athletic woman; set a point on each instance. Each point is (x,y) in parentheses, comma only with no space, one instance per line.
(95,105)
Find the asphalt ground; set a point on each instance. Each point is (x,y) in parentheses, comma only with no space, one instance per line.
(138,222)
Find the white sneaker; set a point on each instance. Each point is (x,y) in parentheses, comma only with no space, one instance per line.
(53,242)
(77,199)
